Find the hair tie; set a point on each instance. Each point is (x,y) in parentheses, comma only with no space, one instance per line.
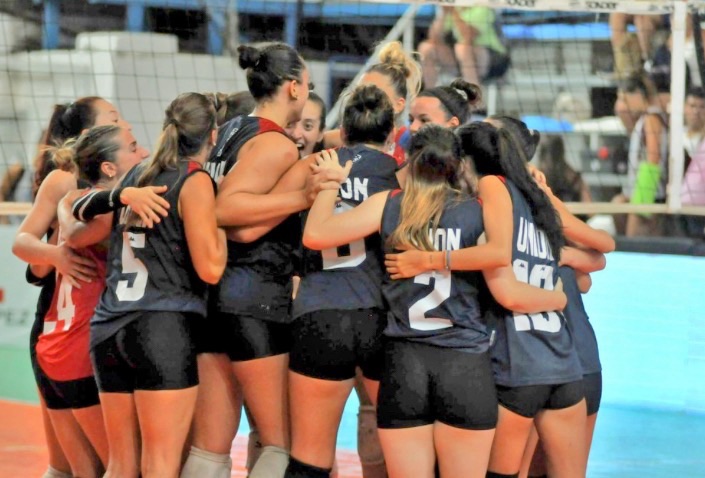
(462,93)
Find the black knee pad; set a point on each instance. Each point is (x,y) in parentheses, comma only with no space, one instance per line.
(297,469)
(492,474)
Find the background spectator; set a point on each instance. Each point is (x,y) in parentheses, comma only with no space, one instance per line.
(467,39)
(566,183)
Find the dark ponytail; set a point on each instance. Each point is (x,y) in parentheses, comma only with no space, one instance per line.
(269,67)
(494,151)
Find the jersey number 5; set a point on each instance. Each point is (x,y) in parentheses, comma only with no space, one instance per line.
(439,294)
(541,276)
(132,265)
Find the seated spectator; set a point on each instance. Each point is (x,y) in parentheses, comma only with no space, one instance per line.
(566,183)
(632,50)
(478,52)
(693,188)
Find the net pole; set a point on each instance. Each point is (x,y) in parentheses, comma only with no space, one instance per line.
(676,164)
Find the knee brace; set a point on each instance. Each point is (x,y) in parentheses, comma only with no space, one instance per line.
(272,463)
(54,473)
(368,446)
(204,464)
(299,469)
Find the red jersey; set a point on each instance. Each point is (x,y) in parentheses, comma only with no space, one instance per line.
(62,349)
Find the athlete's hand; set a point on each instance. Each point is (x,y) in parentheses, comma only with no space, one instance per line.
(325,179)
(74,267)
(328,160)
(409,263)
(537,175)
(147,203)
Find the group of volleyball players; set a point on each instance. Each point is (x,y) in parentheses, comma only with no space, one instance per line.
(438,276)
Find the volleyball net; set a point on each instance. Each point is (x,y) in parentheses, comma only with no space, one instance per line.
(563,79)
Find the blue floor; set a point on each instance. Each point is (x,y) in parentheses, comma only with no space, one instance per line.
(628,443)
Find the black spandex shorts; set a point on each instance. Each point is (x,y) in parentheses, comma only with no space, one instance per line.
(242,338)
(529,400)
(422,384)
(68,394)
(329,344)
(592,385)
(153,352)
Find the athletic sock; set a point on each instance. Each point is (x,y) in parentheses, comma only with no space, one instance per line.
(204,464)
(271,463)
(54,473)
(298,469)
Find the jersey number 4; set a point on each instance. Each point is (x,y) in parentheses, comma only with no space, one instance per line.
(541,276)
(132,265)
(65,309)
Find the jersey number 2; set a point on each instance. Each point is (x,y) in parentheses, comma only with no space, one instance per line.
(132,265)
(540,276)
(441,292)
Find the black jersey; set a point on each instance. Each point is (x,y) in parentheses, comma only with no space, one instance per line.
(257,278)
(438,308)
(150,269)
(349,277)
(532,349)
(579,323)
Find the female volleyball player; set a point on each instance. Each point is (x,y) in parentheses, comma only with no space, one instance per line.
(141,334)
(307,133)
(536,367)
(251,304)
(67,121)
(436,335)
(448,106)
(399,76)
(339,313)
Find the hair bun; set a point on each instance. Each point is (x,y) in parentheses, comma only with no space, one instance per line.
(393,55)
(248,56)
(368,97)
(471,91)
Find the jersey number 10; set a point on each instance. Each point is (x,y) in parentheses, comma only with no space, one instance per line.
(541,276)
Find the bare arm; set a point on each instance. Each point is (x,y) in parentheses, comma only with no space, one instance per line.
(435,31)
(325,229)
(496,251)
(28,244)
(79,234)
(652,135)
(584,282)
(300,177)
(467,32)
(579,232)
(519,296)
(245,197)
(584,260)
(206,241)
